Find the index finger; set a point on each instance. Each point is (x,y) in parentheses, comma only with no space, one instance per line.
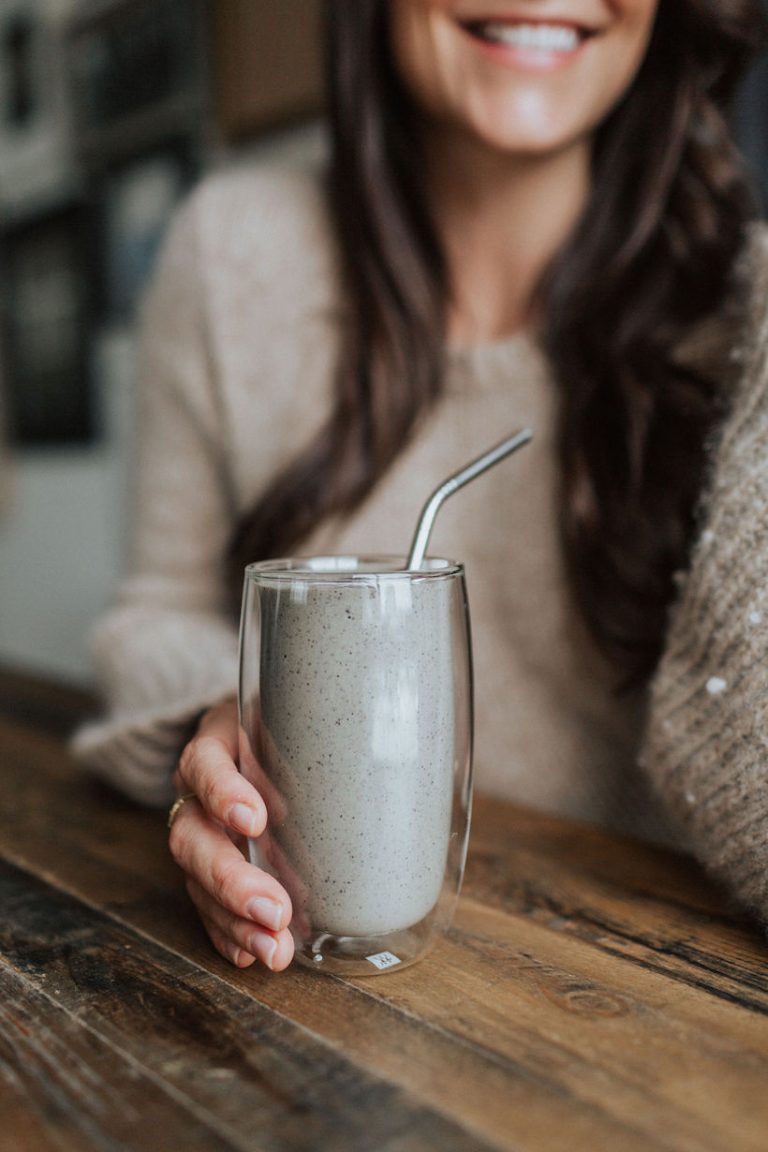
(207,768)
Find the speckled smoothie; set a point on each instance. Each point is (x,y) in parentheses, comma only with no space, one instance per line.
(357,699)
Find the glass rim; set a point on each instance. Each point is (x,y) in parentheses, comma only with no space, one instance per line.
(349,569)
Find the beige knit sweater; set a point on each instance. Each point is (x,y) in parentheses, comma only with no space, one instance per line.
(241,333)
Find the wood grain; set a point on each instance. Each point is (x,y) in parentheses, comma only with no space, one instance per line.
(218,1056)
(593,993)
(647,905)
(76,1090)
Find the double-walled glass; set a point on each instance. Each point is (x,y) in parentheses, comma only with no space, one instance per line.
(356,727)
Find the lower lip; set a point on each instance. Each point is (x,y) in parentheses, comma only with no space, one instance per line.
(526,59)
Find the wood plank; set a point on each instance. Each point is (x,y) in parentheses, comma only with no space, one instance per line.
(652,907)
(66,1088)
(21,1130)
(496,1096)
(237,1064)
(41,703)
(688,1069)
(576,956)
(646,905)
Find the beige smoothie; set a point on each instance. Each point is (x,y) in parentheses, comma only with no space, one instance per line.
(358,738)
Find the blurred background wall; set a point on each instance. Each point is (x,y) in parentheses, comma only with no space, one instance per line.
(109,111)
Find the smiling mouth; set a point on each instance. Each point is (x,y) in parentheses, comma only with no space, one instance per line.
(527,36)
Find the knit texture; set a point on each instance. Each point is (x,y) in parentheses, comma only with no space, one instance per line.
(240,341)
(707,741)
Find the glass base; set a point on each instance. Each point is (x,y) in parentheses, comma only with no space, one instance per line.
(366,955)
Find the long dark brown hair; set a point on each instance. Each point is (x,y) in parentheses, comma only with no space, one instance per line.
(651,259)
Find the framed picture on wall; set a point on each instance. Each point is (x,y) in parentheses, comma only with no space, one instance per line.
(46,308)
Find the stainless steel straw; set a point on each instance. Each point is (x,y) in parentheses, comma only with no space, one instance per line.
(452,484)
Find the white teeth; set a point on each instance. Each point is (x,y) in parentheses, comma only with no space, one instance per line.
(544,37)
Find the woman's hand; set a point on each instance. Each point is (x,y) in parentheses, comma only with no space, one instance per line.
(245,911)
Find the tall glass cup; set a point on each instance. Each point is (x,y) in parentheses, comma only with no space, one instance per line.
(356,727)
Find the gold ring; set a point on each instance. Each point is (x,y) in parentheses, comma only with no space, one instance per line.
(175,809)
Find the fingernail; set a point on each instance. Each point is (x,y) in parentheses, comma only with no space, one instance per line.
(264,946)
(265,911)
(243,818)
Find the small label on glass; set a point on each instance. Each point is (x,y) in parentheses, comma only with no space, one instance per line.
(383,960)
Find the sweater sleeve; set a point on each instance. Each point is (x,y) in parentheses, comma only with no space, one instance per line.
(706,745)
(167,650)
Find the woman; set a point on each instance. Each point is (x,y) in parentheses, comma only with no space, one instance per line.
(534,215)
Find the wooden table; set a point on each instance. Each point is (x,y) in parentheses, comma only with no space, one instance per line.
(594,994)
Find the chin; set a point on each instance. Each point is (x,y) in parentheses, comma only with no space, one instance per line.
(529,124)
(527,140)
(532,145)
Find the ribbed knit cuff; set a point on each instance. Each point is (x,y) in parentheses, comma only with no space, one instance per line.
(138,755)
(158,670)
